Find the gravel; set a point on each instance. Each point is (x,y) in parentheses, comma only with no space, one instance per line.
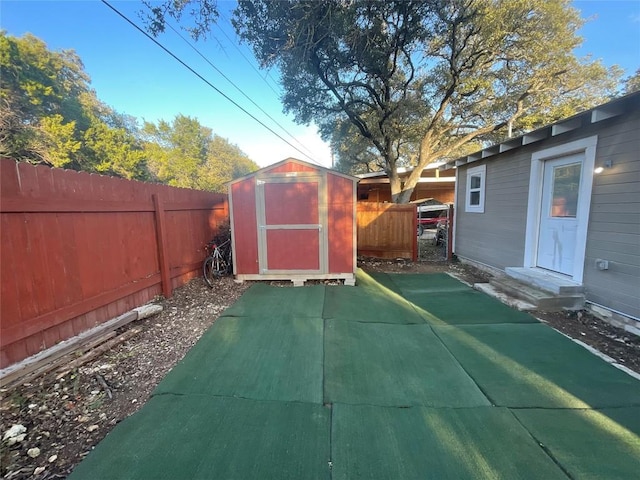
(63,418)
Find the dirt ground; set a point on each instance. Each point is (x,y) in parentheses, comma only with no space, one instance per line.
(66,416)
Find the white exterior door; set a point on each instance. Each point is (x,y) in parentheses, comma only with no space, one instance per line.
(559,213)
(556,237)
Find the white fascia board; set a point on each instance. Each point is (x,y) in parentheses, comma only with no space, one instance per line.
(605,112)
(488,152)
(536,136)
(510,144)
(567,126)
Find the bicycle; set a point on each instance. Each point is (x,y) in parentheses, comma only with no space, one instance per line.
(218,261)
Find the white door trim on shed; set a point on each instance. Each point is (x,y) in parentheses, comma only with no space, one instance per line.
(264,226)
(587,147)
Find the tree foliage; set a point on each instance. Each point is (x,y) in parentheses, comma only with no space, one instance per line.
(419,81)
(632,83)
(49,114)
(202,15)
(37,96)
(183,153)
(225,162)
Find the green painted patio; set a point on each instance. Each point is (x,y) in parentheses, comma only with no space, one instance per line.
(402,377)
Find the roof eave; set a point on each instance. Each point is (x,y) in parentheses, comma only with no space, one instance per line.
(605,111)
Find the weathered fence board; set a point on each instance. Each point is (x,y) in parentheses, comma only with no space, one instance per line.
(387,230)
(77,250)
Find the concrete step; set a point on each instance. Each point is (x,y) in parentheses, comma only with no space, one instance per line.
(544,280)
(541,299)
(504,297)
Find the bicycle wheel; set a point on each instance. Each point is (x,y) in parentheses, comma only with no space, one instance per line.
(208,271)
(228,258)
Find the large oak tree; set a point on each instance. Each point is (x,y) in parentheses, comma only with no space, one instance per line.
(409,82)
(422,80)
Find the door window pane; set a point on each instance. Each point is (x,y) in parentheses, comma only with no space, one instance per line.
(566,184)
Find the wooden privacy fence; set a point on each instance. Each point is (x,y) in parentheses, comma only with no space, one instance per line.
(77,250)
(387,230)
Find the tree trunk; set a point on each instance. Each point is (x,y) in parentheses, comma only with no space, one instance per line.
(395,184)
(401,191)
(404,196)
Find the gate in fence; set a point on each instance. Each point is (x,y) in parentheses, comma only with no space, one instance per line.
(435,241)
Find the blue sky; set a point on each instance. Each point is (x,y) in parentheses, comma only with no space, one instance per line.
(134,76)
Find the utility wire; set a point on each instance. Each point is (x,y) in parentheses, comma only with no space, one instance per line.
(236,86)
(243,55)
(204,79)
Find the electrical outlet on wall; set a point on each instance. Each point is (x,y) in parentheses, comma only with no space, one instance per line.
(602,264)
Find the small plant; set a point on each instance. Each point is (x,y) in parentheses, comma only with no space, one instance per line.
(97,402)
(16,399)
(75,377)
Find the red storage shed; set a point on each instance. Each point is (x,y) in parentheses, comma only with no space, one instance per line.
(294,221)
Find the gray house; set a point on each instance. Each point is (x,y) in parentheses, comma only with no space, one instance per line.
(559,209)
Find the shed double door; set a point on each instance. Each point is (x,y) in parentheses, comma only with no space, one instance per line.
(292,223)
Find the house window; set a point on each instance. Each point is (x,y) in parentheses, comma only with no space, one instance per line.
(475,189)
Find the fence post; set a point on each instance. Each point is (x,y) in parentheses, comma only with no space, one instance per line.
(415,234)
(450,215)
(163,260)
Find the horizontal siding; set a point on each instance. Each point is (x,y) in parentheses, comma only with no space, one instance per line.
(630,208)
(614,188)
(608,227)
(623,160)
(619,218)
(615,239)
(620,173)
(614,223)
(623,133)
(512,181)
(625,272)
(627,167)
(627,257)
(497,236)
(618,145)
(617,198)
(611,248)
(626,304)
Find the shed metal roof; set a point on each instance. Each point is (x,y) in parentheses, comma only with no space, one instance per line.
(294,160)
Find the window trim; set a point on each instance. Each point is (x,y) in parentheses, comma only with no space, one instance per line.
(480,171)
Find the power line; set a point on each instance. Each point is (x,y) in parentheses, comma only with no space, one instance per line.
(204,79)
(243,55)
(236,86)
